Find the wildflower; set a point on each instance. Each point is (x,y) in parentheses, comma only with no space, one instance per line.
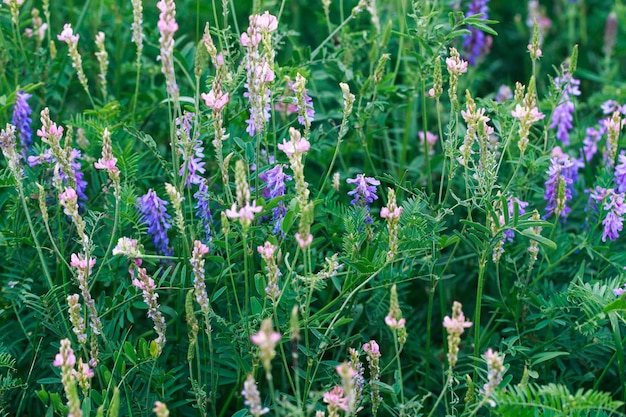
(147,286)
(103,62)
(154,215)
(476,43)
(504,93)
(610,33)
(619,291)
(246,211)
(197,264)
(611,106)
(216,101)
(495,368)
(108,162)
(7,144)
(430,141)
(613,125)
(456,66)
(336,181)
(392,213)
(527,114)
(176,200)
(136,26)
(358,380)
(613,205)
(348,375)
(364,193)
(455,327)
(336,401)
(83,267)
(76,318)
(266,340)
(21,120)
(372,350)
(267,252)
(39,28)
(66,360)
(394,318)
(275,179)
(590,142)
(203,210)
(258,64)
(305,109)
(160,409)
(167,27)
(83,374)
(557,191)
(69,201)
(252,397)
(128,247)
(192,150)
(533,248)
(477,130)
(563,113)
(68,36)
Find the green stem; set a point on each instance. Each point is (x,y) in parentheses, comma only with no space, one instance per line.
(479,298)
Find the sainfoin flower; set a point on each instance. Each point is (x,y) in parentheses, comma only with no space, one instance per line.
(476,43)
(613,206)
(455,327)
(563,115)
(167,27)
(154,214)
(252,397)
(150,297)
(266,340)
(364,193)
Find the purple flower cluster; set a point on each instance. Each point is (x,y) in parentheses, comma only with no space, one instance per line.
(364,193)
(558,191)
(193,152)
(153,214)
(75,154)
(202,209)
(521,208)
(563,115)
(476,43)
(21,120)
(275,179)
(614,207)
(594,134)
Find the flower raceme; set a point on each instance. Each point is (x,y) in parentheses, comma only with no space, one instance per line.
(455,327)
(266,340)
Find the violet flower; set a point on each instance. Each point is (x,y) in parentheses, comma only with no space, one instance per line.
(154,215)
(563,115)
(364,193)
(203,210)
(192,150)
(476,43)
(620,173)
(557,191)
(21,120)
(275,179)
(614,207)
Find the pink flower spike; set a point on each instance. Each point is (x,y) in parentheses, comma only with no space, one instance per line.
(215,102)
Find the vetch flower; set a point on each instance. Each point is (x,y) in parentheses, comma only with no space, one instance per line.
(267,252)
(71,39)
(275,179)
(203,211)
(562,117)
(154,215)
(192,150)
(613,206)
(495,368)
(364,193)
(66,360)
(557,192)
(21,120)
(476,44)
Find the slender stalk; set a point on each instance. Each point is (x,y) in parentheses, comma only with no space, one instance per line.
(482,267)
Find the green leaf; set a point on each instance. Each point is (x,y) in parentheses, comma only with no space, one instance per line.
(546,356)
(538,238)
(619,304)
